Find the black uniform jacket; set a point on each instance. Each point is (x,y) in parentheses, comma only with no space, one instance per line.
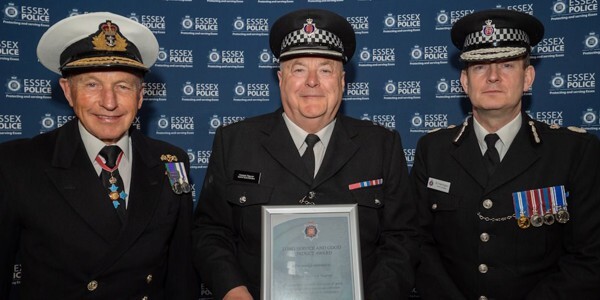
(53,208)
(474,248)
(227,231)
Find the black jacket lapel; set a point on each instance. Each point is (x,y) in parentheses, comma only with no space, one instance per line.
(74,176)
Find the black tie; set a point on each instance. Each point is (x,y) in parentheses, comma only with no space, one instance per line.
(111,179)
(491,156)
(309,155)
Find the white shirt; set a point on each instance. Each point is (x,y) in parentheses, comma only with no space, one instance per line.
(93,146)
(507,135)
(299,135)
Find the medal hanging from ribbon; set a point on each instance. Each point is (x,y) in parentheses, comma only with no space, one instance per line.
(559,198)
(536,209)
(178,177)
(521,209)
(114,194)
(541,206)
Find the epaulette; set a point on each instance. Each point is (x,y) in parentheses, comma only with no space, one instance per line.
(534,133)
(460,133)
(434,130)
(577,129)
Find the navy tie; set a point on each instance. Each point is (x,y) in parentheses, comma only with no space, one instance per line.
(491,156)
(309,155)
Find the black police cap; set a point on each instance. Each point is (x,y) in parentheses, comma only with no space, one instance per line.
(312,32)
(496,34)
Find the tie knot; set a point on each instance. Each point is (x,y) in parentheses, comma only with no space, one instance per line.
(110,154)
(311,140)
(491,139)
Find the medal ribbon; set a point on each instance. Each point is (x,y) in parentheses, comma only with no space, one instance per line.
(561,198)
(520,205)
(548,207)
(173,172)
(367,183)
(103,165)
(533,201)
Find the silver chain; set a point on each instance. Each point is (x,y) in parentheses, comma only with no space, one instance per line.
(488,219)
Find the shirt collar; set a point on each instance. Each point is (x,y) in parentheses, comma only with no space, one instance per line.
(93,145)
(299,135)
(507,133)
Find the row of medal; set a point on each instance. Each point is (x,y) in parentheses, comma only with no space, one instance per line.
(178,177)
(541,206)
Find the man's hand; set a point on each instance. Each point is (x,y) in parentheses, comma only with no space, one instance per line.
(238,293)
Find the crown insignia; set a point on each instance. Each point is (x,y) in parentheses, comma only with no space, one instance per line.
(108,38)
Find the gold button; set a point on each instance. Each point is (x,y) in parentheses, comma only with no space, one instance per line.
(483,268)
(434,206)
(149,278)
(484,237)
(92,285)
(377,202)
(243,199)
(487,203)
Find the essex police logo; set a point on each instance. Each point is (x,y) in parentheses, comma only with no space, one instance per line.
(449,89)
(591,44)
(201,26)
(590,120)
(11,125)
(26,15)
(311,231)
(565,10)
(9,50)
(266,60)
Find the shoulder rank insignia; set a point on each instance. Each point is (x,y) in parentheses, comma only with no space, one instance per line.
(554,126)
(462,130)
(577,129)
(433,130)
(534,133)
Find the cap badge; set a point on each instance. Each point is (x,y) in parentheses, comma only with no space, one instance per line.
(109,38)
(488,29)
(309,28)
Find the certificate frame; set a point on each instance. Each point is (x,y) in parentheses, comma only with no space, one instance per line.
(273,215)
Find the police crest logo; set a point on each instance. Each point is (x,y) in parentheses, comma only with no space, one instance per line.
(311,231)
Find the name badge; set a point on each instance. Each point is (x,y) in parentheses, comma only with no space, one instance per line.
(438,185)
(246,176)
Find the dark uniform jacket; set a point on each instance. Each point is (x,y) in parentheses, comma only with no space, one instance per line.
(227,232)
(53,208)
(474,249)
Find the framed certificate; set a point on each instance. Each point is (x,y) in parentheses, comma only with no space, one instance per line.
(311,252)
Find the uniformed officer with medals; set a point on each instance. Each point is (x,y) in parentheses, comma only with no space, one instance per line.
(88,205)
(508,206)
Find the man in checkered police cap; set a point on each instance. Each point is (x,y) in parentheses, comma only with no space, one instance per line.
(508,206)
(78,236)
(307,153)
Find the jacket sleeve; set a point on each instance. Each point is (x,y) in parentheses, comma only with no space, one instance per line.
(397,249)
(182,282)
(432,280)
(9,227)
(213,233)
(578,272)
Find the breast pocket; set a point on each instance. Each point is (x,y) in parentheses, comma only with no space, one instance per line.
(246,201)
(444,210)
(370,207)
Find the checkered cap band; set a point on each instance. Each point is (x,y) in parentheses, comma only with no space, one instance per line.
(499,35)
(318,37)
